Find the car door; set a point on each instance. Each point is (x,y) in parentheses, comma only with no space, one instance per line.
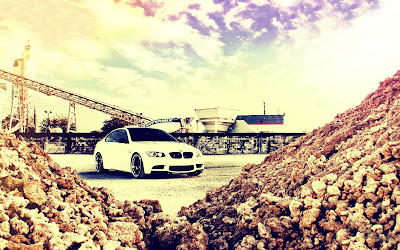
(107,150)
(121,150)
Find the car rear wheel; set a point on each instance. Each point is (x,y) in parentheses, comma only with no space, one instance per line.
(99,163)
(137,166)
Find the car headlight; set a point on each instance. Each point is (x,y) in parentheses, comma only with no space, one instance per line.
(155,154)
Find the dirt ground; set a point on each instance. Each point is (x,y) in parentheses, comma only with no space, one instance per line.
(173,192)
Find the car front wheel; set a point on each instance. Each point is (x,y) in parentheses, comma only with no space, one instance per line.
(99,163)
(137,166)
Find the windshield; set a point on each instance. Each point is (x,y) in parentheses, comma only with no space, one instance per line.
(148,134)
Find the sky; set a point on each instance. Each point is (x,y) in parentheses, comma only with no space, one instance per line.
(307,59)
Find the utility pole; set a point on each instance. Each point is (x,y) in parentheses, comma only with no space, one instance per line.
(264,107)
(48,120)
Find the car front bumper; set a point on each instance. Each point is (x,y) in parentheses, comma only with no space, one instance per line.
(177,166)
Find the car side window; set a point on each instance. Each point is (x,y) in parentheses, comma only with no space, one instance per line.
(111,137)
(119,136)
(122,136)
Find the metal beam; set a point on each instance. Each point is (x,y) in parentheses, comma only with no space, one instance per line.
(114,111)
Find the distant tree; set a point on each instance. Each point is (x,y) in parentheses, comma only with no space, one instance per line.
(113,123)
(5,123)
(55,122)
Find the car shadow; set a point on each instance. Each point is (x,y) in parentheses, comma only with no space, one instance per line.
(120,175)
(106,174)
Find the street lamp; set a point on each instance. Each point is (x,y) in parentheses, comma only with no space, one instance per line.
(48,119)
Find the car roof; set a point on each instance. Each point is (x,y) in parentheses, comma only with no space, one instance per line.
(138,128)
(132,126)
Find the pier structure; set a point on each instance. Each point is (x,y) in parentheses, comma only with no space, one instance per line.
(23,107)
(50,90)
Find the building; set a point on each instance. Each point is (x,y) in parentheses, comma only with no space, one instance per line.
(221,120)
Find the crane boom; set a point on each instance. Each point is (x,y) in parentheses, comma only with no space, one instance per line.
(114,111)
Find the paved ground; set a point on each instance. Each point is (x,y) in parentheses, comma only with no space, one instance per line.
(173,192)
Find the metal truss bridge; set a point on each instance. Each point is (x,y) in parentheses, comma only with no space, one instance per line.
(112,110)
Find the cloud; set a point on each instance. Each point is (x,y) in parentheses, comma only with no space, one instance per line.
(129,25)
(54,20)
(150,7)
(276,21)
(148,61)
(336,69)
(160,56)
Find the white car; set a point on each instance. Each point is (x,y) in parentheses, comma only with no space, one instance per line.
(146,150)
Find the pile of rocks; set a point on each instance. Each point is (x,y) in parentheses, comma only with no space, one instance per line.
(43,206)
(336,187)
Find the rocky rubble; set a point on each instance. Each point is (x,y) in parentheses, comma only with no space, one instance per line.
(43,206)
(336,187)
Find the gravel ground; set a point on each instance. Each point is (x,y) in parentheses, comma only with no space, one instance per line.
(173,192)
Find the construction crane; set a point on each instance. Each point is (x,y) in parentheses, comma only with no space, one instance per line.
(73,98)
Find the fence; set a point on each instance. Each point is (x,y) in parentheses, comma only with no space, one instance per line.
(208,143)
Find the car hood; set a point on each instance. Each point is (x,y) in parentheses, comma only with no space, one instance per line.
(164,146)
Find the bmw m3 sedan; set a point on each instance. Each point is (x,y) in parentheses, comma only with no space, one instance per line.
(143,151)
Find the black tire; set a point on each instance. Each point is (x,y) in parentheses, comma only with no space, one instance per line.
(137,166)
(99,163)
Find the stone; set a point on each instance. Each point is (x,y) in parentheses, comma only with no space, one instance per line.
(318,186)
(309,217)
(34,192)
(19,226)
(125,232)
